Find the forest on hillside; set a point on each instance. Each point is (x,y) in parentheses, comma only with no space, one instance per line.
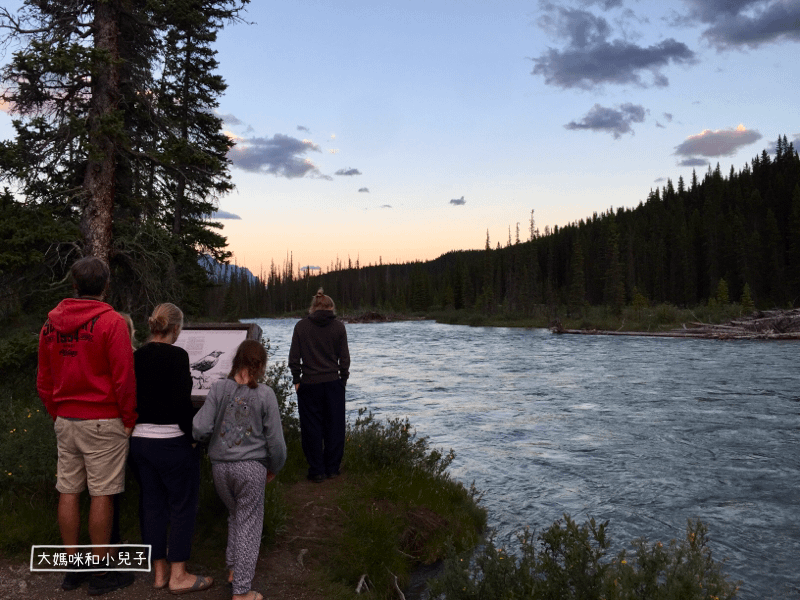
(118,153)
(735,234)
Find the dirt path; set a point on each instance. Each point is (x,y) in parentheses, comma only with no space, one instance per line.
(284,571)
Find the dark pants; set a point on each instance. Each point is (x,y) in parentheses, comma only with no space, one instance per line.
(168,472)
(322,425)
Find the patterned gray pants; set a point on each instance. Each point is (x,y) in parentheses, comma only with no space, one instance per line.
(240,485)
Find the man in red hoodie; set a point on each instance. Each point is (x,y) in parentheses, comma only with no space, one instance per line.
(87,383)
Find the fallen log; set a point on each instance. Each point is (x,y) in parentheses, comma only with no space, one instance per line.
(769,325)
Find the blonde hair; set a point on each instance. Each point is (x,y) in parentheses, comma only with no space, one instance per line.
(252,357)
(131,329)
(321,302)
(165,317)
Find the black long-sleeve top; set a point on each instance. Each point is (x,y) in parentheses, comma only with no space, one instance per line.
(319,350)
(163,385)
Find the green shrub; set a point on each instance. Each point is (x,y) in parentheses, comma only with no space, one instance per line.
(372,445)
(666,314)
(27,442)
(18,353)
(279,379)
(476,320)
(569,561)
(403,510)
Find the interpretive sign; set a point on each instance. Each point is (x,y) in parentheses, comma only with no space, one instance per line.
(211,348)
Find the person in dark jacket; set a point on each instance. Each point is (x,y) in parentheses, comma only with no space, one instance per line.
(319,359)
(163,458)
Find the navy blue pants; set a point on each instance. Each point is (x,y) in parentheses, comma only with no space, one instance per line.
(322,425)
(168,472)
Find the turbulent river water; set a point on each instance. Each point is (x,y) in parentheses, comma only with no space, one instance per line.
(643,432)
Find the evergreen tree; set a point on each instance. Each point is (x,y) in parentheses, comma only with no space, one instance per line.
(194,148)
(614,290)
(136,163)
(722,296)
(577,291)
(793,253)
(747,301)
(69,94)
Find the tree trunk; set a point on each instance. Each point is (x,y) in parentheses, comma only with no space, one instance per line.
(98,183)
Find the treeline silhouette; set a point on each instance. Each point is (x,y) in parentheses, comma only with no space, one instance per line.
(739,232)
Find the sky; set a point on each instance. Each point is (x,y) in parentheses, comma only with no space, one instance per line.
(398,131)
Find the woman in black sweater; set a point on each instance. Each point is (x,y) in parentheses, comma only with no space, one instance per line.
(319,359)
(163,458)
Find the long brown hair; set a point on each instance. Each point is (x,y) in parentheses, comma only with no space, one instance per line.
(251,356)
(321,302)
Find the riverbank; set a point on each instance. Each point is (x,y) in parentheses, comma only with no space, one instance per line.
(394,508)
(714,320)
(303,562)
(766,325)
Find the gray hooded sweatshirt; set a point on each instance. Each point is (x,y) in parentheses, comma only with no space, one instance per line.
(241,423)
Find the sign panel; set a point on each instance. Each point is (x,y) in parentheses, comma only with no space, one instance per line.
(211,348)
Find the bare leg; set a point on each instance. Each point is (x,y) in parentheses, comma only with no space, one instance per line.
(69,520)
(251,595)
(180,578)
(161,570)
(101,512)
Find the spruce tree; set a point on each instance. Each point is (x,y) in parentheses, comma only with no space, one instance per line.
(101,144)
(577,290)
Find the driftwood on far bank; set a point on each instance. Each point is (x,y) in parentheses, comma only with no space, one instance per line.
(368,317)
(761,325)
(376,317)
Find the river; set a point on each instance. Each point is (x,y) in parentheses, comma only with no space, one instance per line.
(643,432)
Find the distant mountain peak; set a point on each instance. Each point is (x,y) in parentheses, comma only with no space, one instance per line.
(221,272)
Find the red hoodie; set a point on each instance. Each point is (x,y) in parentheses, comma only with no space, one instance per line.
(86,363)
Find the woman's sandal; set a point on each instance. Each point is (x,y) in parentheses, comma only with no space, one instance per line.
(200,583)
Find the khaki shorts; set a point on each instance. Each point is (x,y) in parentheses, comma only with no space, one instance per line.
(92,452)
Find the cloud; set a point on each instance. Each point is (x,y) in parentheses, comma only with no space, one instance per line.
(722,142)
(608,120)
(751,23)
(363,190)
(458,201)
(348,172)
(303,128)
(668,116)
(235,122)
(221,214)
(310,268)
(693,162)
(660,179)
(280,155)
(660,125)
(604,4)
(231,120)
(590,60)
(386,206)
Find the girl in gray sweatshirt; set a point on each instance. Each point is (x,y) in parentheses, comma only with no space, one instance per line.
(241,421)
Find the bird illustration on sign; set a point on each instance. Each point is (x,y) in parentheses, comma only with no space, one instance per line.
(202,366)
